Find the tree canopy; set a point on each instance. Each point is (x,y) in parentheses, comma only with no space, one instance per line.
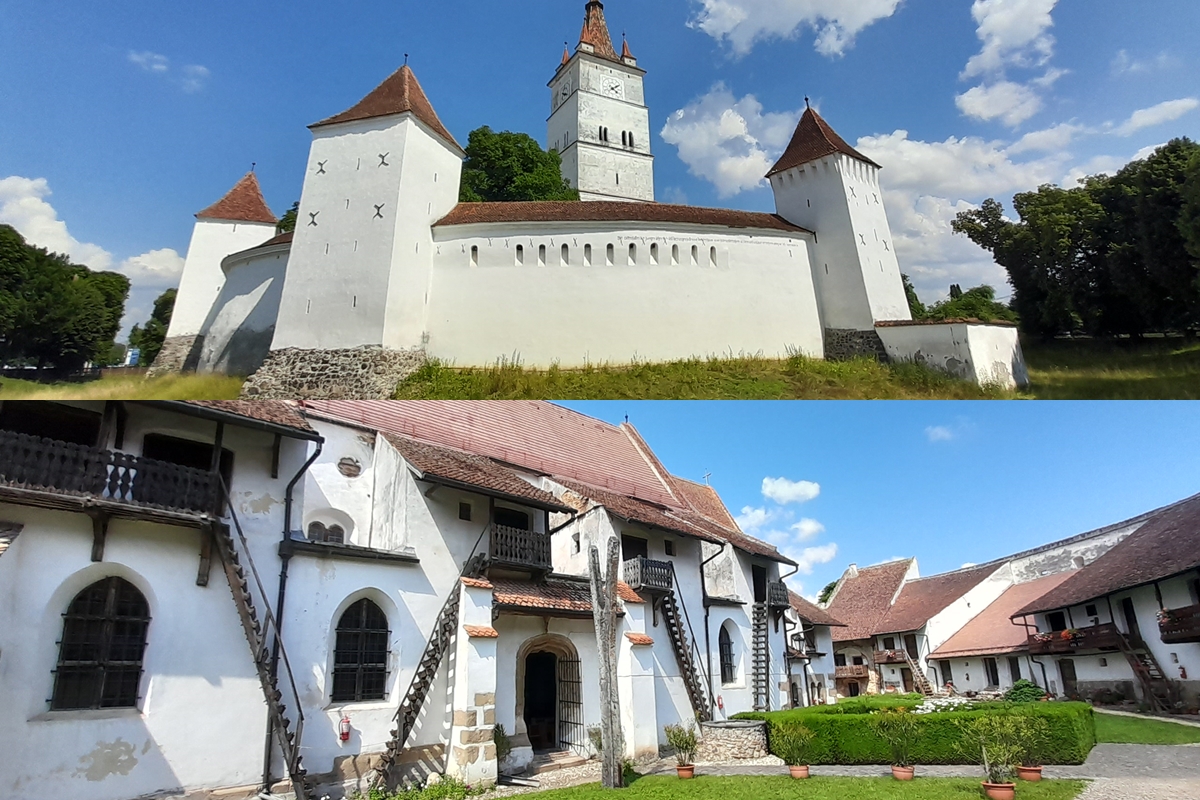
(53,312)
(1118,255)
(511,167)
(149,338)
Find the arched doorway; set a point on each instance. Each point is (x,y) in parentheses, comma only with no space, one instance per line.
(541,700)
(550,695)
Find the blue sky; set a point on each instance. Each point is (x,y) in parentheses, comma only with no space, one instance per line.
(950,483)
(121,120)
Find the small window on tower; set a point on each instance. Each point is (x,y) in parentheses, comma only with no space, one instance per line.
(623,142)
(631,140)
(464,512)
(474,256)
(587,255)
(695,255)
(542,255)
(611,255)
(520,255)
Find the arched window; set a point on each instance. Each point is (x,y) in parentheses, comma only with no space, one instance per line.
(611,254)
(631,138)
(712,256)
(587,255)
(633,255)
(334,534)
(695,255)
(100,655)
(654,254)
(674,255)
(566,256)
(728,668)
(624,138)
(541,255)
(520,255)
(474,256)
(360,655)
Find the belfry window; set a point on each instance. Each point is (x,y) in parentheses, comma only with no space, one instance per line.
(360,654)
(334,534)
(103,641)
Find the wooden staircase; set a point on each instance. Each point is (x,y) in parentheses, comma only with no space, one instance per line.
(1156,687)
(761,654)
(686,654)
(920,679)
(274,672)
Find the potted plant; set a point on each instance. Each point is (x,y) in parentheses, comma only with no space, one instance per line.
(683,740)
(900,728)
(996,741)
(1033,744)
(792,743)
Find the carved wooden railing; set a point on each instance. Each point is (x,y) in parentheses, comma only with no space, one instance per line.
(643,573)
(1180,625)
(1097,637)
(852,671)
(777,595)
(48,465)
(516,547)
(890,657)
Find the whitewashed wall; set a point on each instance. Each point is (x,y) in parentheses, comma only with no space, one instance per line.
(241,323)
(200,285)
(986,354)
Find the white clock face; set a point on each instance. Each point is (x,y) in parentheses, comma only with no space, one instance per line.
(613,87)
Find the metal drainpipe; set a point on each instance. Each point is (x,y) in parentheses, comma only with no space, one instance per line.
(712,700)
(1032,660)
(285,556)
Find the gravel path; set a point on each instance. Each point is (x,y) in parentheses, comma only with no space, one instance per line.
(1118,789)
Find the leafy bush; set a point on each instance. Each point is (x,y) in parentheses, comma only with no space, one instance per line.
(1024,691)
(996,741)
(443,789)
(900,728)
(792,743)
(845,737)
(684,741)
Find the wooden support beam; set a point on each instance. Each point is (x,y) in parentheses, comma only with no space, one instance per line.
(207,542)
(122,417)
(275,455)
(218,440)
(99,536)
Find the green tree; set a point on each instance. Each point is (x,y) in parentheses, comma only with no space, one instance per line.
(1189,217)
(288,223)
(827,592)
(978,303)
(511,167)
(150,337)
(914,302)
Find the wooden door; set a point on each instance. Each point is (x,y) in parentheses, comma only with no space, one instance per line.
(907,676)
(910,645)
(1131,621)
(1066,668)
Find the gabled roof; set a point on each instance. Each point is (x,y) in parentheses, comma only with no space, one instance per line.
(617,211)
(814,139)
(812,613)
(559,593)
(862,601)
(401,93)
(243,203)
(595,31)
(923,599)
(1167,544)
(471,471)
(992,632)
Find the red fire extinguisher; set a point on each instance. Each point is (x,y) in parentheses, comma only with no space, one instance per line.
(721,702)
(344,729)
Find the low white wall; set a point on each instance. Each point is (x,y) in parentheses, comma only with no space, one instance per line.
(239,327)
(985,354)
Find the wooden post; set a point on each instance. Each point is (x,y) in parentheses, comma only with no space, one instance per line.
(604,614)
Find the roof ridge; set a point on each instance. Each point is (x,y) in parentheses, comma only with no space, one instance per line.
(243,203)
(656,466)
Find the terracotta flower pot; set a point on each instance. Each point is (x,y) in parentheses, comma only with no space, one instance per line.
(1000,791)
(1031,774)
(686,773)
(799,772)
(904,773)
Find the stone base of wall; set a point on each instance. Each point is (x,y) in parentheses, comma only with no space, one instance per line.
(731,741)
(364,373)
(178,354)
(846,345)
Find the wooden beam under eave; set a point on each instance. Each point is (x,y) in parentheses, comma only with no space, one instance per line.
(275,455)
(99,536)
(207,541)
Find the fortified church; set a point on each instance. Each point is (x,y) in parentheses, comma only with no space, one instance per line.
(387,268)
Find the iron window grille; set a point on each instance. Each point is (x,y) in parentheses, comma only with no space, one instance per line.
(360,655)
(728,669)
(102,646)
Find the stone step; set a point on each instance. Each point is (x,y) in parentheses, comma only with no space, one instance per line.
(551,762)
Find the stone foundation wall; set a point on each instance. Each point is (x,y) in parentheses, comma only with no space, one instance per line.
(845,345)
(730,741)
(364,373)
(178,354)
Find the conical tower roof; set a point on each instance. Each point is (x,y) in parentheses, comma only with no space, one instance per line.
(625,51)
(595,31)
(812,140)
(401,93)
(243,203)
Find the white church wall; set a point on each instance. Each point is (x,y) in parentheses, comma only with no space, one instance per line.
(241,323)
(333,490)
(986,354)
(573,314)
(955,616)
(202,279)
(1069,555)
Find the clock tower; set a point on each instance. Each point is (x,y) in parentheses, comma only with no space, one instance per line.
(599,122)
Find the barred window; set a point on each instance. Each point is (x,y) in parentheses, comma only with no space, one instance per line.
(360,654)
(103,641)
(334,534)
(728,670)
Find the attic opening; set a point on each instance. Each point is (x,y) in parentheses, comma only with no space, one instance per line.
(52,421)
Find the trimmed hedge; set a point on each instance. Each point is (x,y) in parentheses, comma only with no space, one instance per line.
(844,736)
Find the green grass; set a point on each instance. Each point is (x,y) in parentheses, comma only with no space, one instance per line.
(1127,369)
(746,378)
(174,387)
(781,788)
(1111,729)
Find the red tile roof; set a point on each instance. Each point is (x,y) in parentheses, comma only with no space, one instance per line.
(812,613)
(992,631)
(243,203)
(595,31)
(924,598)
(635,510)
(401,93)
(469,469)
(580,211)
(625,51)
(276,412)
(553,594)
(477,583)
(283,238)
(1166,544)
(863,601)
(481,632)
(814,139)
(639,639)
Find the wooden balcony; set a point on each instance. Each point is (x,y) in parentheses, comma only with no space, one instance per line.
(55,474)
(777,595)
(1180,625)
(513,547)
(890,657)
(852,671)
(1097,637)
(645,574)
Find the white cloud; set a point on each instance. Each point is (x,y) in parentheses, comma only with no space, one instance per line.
(808,529)
(151,62)
(1125,64)
(1050,140)
(1011,103)
(1013,32)
(784,491)
(24,205)
(751,519)
(939,433)
(674,195)
(727,141)
(743,23)
(195,77)
(1162,113)
(810,557)
(968,565)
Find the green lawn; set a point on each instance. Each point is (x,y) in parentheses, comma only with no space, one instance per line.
(1112,729)
(1151,369)
(186,387)
(781,788)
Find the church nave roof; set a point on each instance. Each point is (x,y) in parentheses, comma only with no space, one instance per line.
(598,211)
